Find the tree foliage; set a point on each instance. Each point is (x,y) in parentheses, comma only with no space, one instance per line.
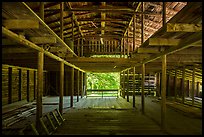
(103,80)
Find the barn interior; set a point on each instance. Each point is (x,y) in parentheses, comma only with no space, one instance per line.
(49,47)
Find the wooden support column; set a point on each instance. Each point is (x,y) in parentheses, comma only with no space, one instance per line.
(39,88)
(133,95)
(82,85)
(142,94)
(163,94)
(9,85)
(42,10)
(187,88)
(124,48)
(175,85)
(62,20)
(158,85)
(134,29)
(193,86)
(20,85)
(28,86)
(149,84)
(168,85)
(128,86)
(34,77)
(61,87)
(138,83)
(85,82)
(197,89)
(183,85)
(142,25)
(82,48)
(77,85)
(123,93)
(72,87)
(128,48)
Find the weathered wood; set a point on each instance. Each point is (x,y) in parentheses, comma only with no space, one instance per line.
(128,86)
(20,24)
(42,11)
(82,85)
(62,20)
(183,85)
(193,87)
(163,42)
(43,40)
(142,25)
(20,85)
(142,94)
(164,13)
(77,85)
(9,85)
(39,88)
(175,85)
(61,87)
(181,27)
(133,96)
(72,87)
(148,50)
(28,86)
(163,94)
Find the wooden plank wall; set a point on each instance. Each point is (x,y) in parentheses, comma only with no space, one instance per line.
(11,94)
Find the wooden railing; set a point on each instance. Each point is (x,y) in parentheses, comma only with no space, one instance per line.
(102,93)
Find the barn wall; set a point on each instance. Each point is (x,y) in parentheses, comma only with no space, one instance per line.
(11,84)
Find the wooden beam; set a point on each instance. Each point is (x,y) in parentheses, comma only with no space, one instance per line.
(183,85)
(163,94)
(29,44)
(164,14)
(134,31)
(16,50)
(142,94)
(77,85)
(163,42)
(39,88)
(148,50)
(181,27)
(28,86)
(43,40)
(142,25)
(61,87)
(128,86)
(82,85)
(20,85)
(9,85)
(21,24)
(175,85)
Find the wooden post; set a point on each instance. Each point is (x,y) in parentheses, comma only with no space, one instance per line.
(198,89)
(163,94)
(143,81)
(158,85)
(149,84)
(168,85)
(134,29)
(133,95)
(164,14)
(82,85)
(128,48)
(39,88)
(42,10)
(84,77)
(138,83)
(73,29)
(128,86)
(183,85)
(72,87)
(61,87)
(124,47)
(77,85)
(142,25)
(193,86)
(82,48)
(20,85)
(28,87)
(62,20)
(123,84)
(9,85)
(175,85)
(187,88)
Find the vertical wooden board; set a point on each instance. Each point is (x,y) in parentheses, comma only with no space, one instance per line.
(4,86)
(44,82)
(15,82)
(31,85)
(24,84)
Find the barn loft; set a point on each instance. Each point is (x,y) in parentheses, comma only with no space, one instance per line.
(49,47)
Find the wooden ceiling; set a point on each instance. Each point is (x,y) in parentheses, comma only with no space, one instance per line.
(102,28)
